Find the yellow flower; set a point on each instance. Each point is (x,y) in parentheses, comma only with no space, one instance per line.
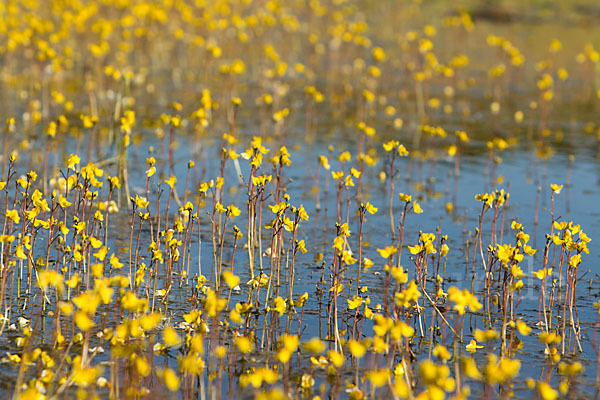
(338,243)
(83,377)
(114,262)
(405,197)
(487,198)
(142,366)
(574,368)
(546,391)
(314,345)
(417,208)
(345,157)
(356,348)
(13,215)
(88,121)
(280,305)
(171,379)
(72,161)
(259,376)
(378,54)
(83,321)
(243,344)
(320,362)
(63,202)
(50,278)
(392,144)
(231,279)
(409,295)
(355,302)
(348,181)
(307,381)
(301,300)
(86,302)
(170,337)
(470,367)
(347,257)
(325,163)
(556,188)
(399,274)
(284,155)
(301,246)
(444,250)
(171,182)
(549,339)
(130,302)
(387,252)
(378,377)
(219,208)
(233,211)
(501,371)
(150,321)
(402,151)
(278,208)
(114,182)
(484,336)
(336,358)
(463,299)
(141,202)
(416,249)
(51,130)
(369,208)
(96,243)
(284,355)
(523,328)
(261,180)
(542,273)
(441,352)
(337,174)
(452,149)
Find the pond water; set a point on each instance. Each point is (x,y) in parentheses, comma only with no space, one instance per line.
(322,79)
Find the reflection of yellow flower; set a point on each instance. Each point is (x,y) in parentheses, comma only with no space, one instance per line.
(473,346)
